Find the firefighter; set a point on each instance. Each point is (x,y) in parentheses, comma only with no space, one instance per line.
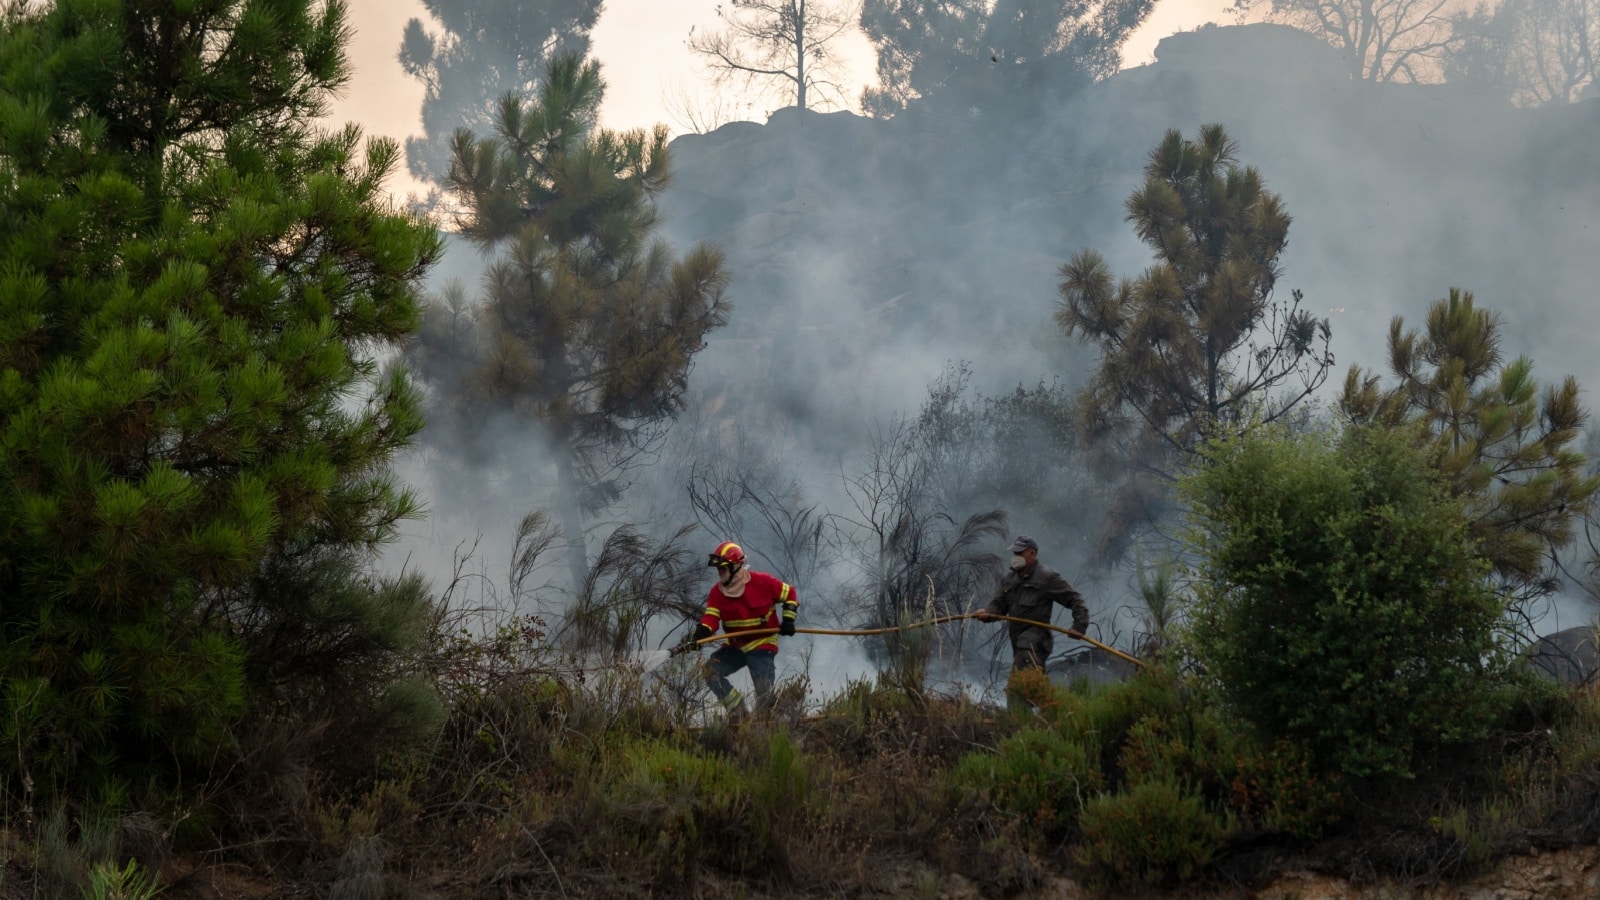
(744,600)
(1030,591)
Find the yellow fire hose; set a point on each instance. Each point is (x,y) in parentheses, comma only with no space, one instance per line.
(938,621)
(1068,632)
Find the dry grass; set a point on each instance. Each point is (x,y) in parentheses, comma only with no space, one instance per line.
(551,781)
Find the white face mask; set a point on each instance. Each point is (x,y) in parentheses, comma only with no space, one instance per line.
(1018,561)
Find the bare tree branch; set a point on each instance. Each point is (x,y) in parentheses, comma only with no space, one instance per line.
(785,41)
(1384,40)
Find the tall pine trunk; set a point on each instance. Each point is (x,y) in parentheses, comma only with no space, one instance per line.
(571,511)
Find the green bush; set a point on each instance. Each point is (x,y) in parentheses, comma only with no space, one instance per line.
(1156,833)
(1039,774)
(664,810)
(1276,788)
(1112,709)
(130,882)
(782,787)
(1341,604)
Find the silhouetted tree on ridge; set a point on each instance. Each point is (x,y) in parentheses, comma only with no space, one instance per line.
(958,55)
(1383,40)
(1533,52)
(484,50)
(786,41)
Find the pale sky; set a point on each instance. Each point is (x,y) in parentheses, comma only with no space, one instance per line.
(640,44)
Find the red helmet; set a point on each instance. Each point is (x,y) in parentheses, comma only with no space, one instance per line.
(727,554)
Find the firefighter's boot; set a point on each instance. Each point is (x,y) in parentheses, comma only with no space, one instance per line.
(733,705)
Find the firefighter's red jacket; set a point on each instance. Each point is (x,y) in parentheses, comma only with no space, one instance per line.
(754,610)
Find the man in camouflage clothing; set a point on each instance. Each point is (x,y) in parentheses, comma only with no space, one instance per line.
(1030,591)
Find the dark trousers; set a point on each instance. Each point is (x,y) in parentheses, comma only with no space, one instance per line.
(1029,653)
(728,660)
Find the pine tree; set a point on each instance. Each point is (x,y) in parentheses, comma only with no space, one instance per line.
(587,328)
(1182,350)
(192,285)
(1505,449)
(484,50)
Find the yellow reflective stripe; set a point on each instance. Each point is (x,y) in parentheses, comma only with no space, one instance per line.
(783,594)
(767,641)
(713,611)
(743,623)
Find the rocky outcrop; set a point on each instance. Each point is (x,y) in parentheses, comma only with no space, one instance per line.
(1571,656)
(1571,874)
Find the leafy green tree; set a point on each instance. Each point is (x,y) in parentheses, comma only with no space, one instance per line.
(1195,345)
(964,54)
(784,41)
(194,282)
(1341,603)
(587,328)
(1506,450)
(483,50)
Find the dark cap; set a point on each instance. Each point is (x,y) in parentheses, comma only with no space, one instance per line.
(1023,542)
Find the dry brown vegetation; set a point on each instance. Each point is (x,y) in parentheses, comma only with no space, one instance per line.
(553,782)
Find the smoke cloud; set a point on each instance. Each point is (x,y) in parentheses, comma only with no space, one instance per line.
(872,258)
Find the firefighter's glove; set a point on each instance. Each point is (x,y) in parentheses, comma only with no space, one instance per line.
(692,642)
(786,625)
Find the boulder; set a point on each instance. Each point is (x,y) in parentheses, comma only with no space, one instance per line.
(1571,656)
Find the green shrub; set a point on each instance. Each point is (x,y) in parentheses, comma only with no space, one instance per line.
(1154,750)
(653,770)
(861,701)
(1341,604)
(1156,833)
(782,787)
(1576,739)
(1268,788)
(71,845)
(130,882)
(1474,832)
(1103,715)
(1039,774)
(664,811)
